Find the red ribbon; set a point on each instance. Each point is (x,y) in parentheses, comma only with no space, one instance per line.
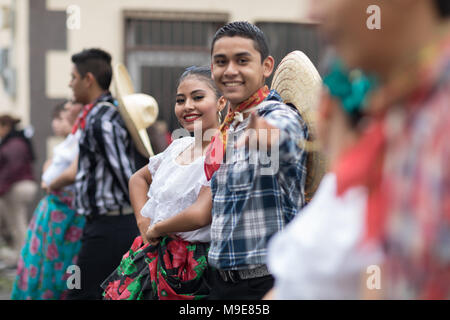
(217,147)
(81,120)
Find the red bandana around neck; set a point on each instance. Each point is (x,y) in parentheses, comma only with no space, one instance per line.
(217,147)
(81,120)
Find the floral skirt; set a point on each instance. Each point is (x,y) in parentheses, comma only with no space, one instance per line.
(51,246)
(174,269)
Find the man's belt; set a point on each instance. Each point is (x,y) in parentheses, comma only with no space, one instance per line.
(113,213)
(121,212)
(236,275)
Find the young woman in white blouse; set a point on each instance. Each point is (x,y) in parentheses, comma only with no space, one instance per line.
(172,201)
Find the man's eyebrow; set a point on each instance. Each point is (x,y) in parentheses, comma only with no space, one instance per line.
(243,54)
(219,55)
(239,54)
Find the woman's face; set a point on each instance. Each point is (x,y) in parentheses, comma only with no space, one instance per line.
(197,104)
(4,130)
(61,125)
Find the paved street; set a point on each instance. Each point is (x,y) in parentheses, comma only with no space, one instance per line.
(6,280)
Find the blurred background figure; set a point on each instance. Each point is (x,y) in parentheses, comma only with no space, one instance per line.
(408,206)
(160,136)
(17,185)
(53,235)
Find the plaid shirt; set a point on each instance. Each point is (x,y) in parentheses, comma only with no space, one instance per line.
(107,159)
(254,198)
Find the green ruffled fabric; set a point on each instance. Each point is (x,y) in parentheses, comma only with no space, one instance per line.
(351,88)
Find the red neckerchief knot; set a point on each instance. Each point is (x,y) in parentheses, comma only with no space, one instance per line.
(81,120)
(216,149)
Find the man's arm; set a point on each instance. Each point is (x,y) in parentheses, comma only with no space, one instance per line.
(283,129)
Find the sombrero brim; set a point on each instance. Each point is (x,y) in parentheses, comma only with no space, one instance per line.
(124,87)
(140,137)
(298,82)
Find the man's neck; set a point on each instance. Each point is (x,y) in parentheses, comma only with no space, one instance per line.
(233,106)
(96,94)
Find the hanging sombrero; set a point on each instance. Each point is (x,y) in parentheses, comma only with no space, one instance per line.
(138,110)
(298,82)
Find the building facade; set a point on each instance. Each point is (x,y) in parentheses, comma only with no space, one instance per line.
(155,39)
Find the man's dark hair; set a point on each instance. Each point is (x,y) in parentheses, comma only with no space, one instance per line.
(97,62)
(246,30)
(443,7)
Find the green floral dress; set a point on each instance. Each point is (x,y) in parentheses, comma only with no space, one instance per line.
(174,269)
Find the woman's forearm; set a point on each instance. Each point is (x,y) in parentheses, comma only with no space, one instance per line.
(138,187)
(196,216)
(187,220)
(66,178)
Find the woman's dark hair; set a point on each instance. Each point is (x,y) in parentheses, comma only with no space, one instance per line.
(204,73)
(246,30)
(97,62)
(15,133)
(58,109)
(443,7)
(8,120)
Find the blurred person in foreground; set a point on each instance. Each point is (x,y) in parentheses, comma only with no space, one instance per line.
(17,185)
(53,235)
(404,160)
(325,242)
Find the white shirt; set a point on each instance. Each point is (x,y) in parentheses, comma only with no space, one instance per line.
(319,255)
(63,155)
(175,187)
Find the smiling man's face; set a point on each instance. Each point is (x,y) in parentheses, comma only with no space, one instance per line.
(237,68)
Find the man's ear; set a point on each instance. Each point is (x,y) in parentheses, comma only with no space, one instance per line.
(268,65)
(90,79)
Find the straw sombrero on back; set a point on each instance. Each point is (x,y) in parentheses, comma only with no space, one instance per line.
(298,82)
(138,110)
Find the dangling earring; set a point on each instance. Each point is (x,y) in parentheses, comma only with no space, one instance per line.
(219,117)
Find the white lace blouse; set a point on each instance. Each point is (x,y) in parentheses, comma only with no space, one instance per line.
(175,187)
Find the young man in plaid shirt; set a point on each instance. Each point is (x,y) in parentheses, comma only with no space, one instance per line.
(252,198)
